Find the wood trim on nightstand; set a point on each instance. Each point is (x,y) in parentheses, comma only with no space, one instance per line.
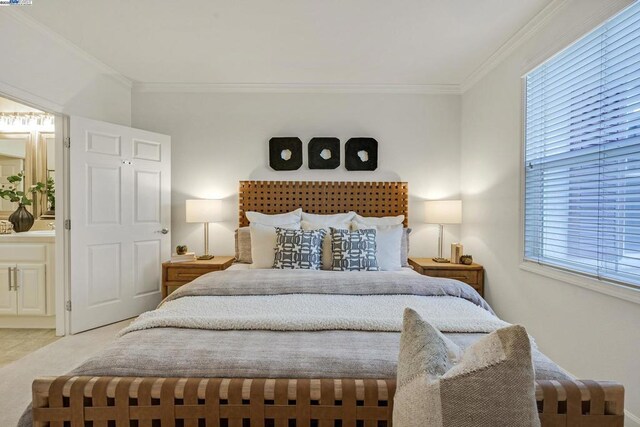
(472,275)
(176,274)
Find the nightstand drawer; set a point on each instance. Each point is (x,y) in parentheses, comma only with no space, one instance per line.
(183,274)
(178,274)
(469,277)
(472,275)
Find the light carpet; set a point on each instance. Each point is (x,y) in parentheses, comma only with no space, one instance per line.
(17,343)
(57,358)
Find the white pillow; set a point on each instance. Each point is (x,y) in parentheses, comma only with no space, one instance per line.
(277,220)
(263,243)
(327,253)
(388,244)
(385,220)
(328,220)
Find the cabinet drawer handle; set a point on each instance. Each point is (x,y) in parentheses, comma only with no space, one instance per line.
(9,271)
(15,278)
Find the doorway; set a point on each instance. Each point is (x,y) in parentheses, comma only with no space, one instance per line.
(31,309)
(120,197)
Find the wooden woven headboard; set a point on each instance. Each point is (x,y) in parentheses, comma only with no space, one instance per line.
(324,197)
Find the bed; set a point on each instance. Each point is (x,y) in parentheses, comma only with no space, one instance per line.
(274,347)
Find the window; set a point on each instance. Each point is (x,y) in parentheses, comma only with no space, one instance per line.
(582,155)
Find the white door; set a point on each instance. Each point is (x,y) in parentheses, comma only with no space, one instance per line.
(120,197)
(32,289)
(7,293)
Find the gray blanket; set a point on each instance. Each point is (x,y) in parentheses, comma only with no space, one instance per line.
(268,354)
(275,354)
(280,282)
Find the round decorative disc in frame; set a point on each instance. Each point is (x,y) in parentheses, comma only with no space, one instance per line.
(285,153)
(361,154)
(324,153)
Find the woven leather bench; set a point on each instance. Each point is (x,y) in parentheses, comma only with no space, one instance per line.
(274,402)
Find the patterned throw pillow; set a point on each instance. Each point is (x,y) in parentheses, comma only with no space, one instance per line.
(298,249)
(354,250)
(491,385)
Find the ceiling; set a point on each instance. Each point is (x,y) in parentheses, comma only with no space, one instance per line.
(409,42)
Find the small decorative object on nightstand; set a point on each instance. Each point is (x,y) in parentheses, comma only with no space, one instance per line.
(175,275)
(472,274)
(456,253)
(442,212)
(205,211)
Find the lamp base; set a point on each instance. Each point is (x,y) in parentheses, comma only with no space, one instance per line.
(440,260)
(208,257)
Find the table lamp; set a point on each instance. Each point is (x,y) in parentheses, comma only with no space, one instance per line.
(205,211)
(443,212)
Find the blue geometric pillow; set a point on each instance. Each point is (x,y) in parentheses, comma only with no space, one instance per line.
(354,250)
(298,249)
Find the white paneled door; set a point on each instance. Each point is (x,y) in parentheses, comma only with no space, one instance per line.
(120,196)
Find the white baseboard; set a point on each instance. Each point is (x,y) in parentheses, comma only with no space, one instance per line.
(631,420)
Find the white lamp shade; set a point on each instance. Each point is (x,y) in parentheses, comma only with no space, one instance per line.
(203,210)
(443,211)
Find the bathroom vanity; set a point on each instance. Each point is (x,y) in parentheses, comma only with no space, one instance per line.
(27,275)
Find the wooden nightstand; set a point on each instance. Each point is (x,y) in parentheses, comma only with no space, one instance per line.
(176,274)
(470,274)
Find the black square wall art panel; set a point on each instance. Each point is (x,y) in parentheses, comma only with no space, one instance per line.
(285,153)
(324,153)
(361,154)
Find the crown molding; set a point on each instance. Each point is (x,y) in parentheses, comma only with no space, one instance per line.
(448,89)
(576,32)
(535,25)
(36,25)
(516,40)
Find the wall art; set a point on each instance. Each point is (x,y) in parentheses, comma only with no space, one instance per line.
(361,154)
(324,153)
(285,153)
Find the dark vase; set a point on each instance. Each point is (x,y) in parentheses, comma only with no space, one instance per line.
(21,219)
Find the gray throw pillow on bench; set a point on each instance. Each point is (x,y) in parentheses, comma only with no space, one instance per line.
(491,385)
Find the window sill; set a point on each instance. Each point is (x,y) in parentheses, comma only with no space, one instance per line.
(602,286)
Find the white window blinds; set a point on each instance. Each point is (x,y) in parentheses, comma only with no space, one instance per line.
(582,155)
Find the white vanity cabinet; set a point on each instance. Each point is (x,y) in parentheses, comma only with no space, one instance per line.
(26,281)
(26,289)
(8,297)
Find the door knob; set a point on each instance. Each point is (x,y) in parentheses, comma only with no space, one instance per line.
(164,231)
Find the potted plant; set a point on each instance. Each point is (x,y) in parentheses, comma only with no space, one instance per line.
(21,219)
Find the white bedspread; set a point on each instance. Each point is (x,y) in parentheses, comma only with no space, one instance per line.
(315,312)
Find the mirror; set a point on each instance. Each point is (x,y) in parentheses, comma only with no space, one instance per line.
(27,159)
(33,153)
(13,160)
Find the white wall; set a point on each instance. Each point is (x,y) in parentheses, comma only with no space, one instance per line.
(220,139)
(38,67)
(590,334)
